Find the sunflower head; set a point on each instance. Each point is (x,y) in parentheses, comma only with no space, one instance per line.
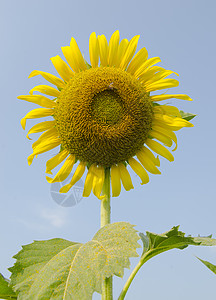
(103,115)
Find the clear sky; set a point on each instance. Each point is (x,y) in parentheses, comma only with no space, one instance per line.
(182,34)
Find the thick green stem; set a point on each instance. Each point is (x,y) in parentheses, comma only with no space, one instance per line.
(130,279)
(107,293)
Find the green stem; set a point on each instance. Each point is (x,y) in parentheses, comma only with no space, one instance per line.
(130,279)
(107,293)
(105,203)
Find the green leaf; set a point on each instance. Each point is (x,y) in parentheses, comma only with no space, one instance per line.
(208,265)
(187,116)
(154,244)
(6,291)
(145,241)
(59,269)
(205,241)
(171,239)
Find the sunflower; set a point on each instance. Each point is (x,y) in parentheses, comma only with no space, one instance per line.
(104,116)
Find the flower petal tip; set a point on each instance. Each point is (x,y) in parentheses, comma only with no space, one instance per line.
(142,183)
(49,179)
(48,172)
(23,123)
(33,73)
(30,159)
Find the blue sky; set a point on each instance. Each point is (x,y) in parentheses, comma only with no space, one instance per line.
(182,34)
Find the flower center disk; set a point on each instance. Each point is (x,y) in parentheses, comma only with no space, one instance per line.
(107,107)
(103,116)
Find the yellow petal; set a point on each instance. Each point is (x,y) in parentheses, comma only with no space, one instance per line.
(149,73)
(103,49)
(113,48)
(62,68)
(45,89)
(162,84)
(49,77)
(50,133)
(43,147)
(147,162)
(168,110)
(98,182)
(158,148)
(65,170)
(162,138)
(160,75)
(163,124)
(164,97)
(41,127)
(68,54)
(139,170)
(30,159)
(125,177)
(150,155)
(94,50)
(131,49)
(150,62)
(78,55)
(77,175)
(121,51)
(181,122)
(36,113)
(175,122)
(137,61)
(55,161)
(166,132)
(115,181)
(96,177)
(89,181)
(38,99)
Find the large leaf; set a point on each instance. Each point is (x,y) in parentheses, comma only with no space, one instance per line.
(154,244)
(6,291)
(59,269)
(208,265)
(158,243)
